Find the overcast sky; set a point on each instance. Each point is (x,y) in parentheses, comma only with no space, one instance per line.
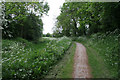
(54,11)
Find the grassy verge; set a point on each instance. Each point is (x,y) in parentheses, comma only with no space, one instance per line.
(68,68)
(103,53)
(64,68)
(96,61)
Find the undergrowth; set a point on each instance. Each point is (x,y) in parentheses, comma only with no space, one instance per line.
(22,59)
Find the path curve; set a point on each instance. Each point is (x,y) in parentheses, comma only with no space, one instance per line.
(81,66)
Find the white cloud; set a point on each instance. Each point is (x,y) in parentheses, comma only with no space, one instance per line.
(54,11)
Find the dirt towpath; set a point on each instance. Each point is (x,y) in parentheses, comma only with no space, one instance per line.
(81,66)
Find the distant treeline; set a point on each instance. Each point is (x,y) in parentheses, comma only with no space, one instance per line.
(78,19)
(48,35)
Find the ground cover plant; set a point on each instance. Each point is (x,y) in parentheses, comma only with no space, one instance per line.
(21,60)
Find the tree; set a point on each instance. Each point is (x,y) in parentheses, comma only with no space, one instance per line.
(100,17)
(21,19)
(48,35)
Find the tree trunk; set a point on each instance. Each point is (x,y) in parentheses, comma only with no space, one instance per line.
(75,28)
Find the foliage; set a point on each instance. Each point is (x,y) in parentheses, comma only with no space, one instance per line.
(47,35)
(64,68)
(106,45)
(21,62)
(23,19)
(78,19)
(67,70)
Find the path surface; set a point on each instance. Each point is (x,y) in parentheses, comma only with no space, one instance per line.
(81,66)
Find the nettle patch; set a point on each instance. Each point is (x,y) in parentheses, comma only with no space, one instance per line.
(27,63)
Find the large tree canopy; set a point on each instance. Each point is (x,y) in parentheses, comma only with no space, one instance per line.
(23,19)
(100,17)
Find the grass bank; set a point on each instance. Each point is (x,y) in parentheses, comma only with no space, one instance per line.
(64,68)
(22,59)
(99,67)
(103,53)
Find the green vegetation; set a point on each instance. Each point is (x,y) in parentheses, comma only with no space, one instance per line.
(96,61)
(47,35)
(103,53)
(23,59)
(99,25)
(86,18)
(22,21)
(27,55)
(64,68)
(67,71)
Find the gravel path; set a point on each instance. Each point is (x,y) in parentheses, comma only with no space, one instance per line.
(81,66)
